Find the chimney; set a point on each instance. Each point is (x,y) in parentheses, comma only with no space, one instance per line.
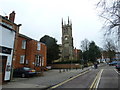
(12,16)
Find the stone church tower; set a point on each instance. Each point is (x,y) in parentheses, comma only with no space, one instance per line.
(67,41)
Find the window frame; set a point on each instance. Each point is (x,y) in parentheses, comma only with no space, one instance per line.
(38,46)
(23,44)
(22,59)
(38,61)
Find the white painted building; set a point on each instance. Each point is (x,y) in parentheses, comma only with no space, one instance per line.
(8,30)
(7,44)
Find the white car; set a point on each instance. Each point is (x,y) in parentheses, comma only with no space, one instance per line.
(49,67)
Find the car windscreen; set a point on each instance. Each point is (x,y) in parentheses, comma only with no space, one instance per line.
(25,68)
(119,64)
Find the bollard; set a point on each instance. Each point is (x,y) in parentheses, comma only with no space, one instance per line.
(76,68)
(63,70)
(59,70)
(67,69)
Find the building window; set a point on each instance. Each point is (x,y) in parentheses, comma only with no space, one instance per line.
(22,58)
(26,61)
(43,61)
(23,44)
(38,46)
(38,61)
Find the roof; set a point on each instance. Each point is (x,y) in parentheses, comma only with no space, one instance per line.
(3,17)
(24,36)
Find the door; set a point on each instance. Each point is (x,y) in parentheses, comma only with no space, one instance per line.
(3,60)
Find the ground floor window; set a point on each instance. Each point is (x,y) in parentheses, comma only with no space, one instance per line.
(22,59)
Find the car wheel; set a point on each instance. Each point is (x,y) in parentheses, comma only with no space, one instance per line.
(23,75)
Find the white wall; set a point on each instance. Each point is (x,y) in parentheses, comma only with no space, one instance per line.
(7,37)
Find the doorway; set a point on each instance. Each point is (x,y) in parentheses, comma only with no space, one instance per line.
(3,60)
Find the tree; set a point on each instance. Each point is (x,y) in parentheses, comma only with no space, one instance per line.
(110,48)
(110,11)
(85,56)
(52,48)
(85,45)
(91,52)
(94,52)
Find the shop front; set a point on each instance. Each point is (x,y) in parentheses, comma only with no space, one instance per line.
(7,39)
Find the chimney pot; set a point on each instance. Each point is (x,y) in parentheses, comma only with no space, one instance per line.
(6,16)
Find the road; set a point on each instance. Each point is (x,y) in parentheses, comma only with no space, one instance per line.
(105,77)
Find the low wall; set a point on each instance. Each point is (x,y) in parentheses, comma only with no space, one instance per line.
(57,66)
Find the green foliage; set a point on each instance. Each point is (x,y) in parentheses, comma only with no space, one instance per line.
(85,56)
(92,53)
(52,48)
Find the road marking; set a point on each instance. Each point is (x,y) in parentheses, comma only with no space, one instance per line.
(99,78)
(117,71)
(96,80)
(69,79)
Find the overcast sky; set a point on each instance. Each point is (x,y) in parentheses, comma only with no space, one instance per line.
(43,17)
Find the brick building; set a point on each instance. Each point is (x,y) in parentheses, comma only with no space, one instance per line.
(30,53)
(77,54)
(17,50)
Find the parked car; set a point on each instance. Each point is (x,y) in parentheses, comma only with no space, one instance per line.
(24,72)
(113,63)
(118,66)
(49,67)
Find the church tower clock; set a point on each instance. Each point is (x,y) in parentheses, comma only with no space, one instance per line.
(67,41)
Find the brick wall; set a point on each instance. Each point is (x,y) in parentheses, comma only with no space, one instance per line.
(57,66)
(19,52)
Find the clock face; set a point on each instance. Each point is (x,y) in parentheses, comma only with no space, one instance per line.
(66,38)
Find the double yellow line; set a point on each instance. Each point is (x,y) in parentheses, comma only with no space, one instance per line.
(68,80)
(96,81)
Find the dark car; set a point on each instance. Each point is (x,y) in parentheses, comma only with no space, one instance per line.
(113,63)
(24,72)
(118,66)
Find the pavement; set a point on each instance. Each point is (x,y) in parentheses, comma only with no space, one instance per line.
(48,79)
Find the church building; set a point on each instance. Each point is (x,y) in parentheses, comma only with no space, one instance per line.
(67,41)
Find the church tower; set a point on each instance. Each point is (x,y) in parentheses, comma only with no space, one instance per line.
(67,41)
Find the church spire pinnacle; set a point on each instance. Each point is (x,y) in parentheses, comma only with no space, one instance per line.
(62,21)
(68,20)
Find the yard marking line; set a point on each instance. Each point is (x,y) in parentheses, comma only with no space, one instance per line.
(117,71)
(69,79)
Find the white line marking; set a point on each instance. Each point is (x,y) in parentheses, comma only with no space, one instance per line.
(117,71)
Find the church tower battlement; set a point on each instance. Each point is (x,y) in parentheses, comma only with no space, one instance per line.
(67,41)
